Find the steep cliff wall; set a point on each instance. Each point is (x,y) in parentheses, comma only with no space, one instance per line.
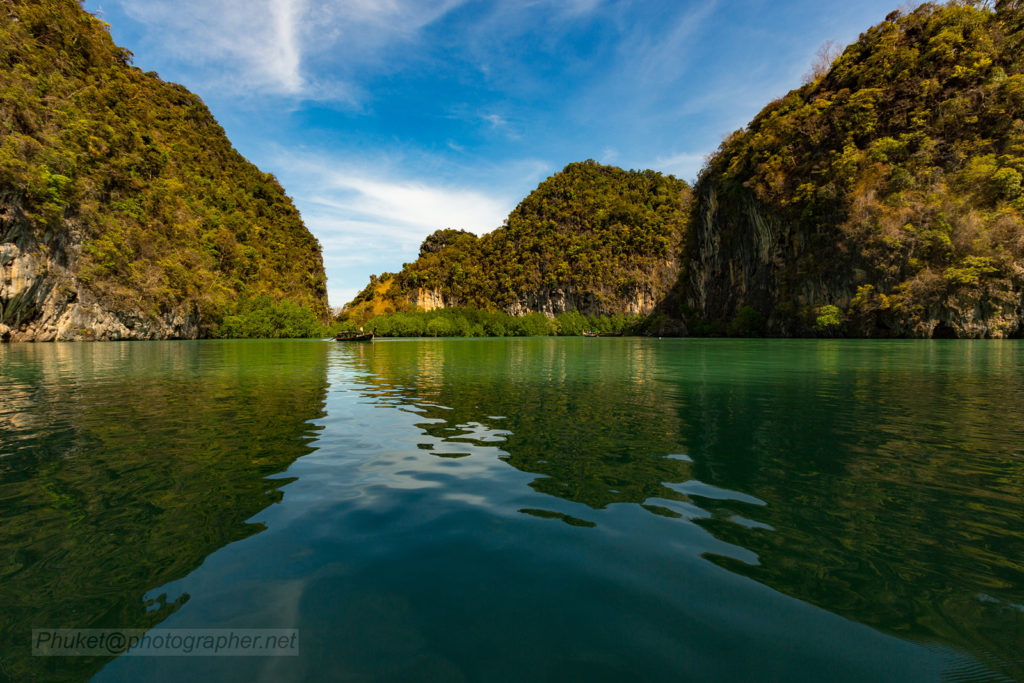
(882,199)
(637,300)
(41,299)
(125,213)
(789,273)
(429,299)
(552,301)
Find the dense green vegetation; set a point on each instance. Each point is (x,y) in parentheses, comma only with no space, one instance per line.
(170,217)
(599,235)
(883,197)
(472,322)
(262,317)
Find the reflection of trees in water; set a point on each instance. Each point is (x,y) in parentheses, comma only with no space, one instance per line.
(153,457)
(593,423)
(894,495)
(892,474)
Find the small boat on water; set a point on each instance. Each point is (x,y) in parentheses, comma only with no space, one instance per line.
(595,333)
(353,335)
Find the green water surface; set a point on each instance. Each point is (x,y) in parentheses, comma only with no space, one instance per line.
(520,509)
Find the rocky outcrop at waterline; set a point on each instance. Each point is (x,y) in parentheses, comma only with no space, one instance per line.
(553,301)
(42,300)
(594,302)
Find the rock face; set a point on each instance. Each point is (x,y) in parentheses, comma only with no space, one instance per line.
(428,299)
(744,256)
(41,299)
(553,301)
(734,258)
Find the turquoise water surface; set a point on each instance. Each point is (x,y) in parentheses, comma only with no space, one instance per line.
(520,509)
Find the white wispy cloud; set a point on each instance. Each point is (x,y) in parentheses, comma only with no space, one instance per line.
(281,47)
(496,120)
(661,58)
(399,208)
(284,63)
(500,124)
(253,44)
(371,216)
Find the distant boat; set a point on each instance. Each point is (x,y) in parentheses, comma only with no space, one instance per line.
(352,335)
(594,333)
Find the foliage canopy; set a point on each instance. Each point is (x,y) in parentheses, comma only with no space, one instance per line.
(890,185)
(595,233)
(170,217)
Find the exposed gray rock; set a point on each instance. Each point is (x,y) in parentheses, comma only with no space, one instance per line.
(552,301)
(41,299)
(428,299)
(742,255)
(664,326)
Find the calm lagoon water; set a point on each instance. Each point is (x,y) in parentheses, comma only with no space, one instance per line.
(521,509)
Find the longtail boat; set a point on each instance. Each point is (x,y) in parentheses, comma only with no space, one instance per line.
(351,335)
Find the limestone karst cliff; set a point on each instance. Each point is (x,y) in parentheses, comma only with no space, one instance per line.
(884,198)
(591,238)
(125,213)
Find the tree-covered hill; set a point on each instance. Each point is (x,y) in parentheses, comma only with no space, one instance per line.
(884,198)
(591,238)
(124,209)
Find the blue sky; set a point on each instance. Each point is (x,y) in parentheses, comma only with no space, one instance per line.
(388,119)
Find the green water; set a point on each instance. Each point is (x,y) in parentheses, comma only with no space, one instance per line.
(538,509)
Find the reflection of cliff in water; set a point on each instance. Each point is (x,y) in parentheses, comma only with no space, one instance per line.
(885,484)
(123,465)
